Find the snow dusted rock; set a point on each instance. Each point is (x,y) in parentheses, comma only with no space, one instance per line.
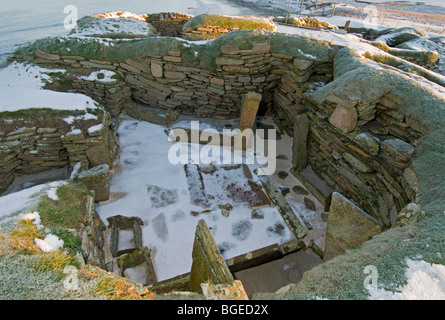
(257,214)
(196,185)
(115,27)
(225,209)
(97,179)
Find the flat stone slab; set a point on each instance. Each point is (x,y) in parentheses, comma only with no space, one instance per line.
(285,209)
(160,197)
(208,264)
(348,227)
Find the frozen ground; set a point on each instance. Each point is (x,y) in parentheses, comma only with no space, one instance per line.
(428,15)
(21,88)
(424,282)
(25,201)
(151,188)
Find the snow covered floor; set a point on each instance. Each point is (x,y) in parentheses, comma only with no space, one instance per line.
(145,175)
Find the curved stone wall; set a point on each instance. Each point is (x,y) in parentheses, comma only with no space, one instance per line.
(372,129)
(359,143)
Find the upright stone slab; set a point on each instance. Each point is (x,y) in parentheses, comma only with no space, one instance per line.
(348,227)
(249,109)
(208,264)
(299,151)
(97,179)
(140,258)
(286,211)
(98,155)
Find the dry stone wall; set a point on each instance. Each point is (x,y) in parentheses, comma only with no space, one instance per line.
(170,83)
(361,149)
(168,24)
(38,143)
(206,32)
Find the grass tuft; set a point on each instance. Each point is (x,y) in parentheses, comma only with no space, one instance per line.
(54,261)
(117,288)
(22,239)
(68,211)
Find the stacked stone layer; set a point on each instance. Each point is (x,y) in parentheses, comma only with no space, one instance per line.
(41,143)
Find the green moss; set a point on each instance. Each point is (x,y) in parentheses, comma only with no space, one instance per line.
(70,241)
(229,22)
(85,47)
(39,112)
(407,67)
(202,54)
(68,210)
(59,82)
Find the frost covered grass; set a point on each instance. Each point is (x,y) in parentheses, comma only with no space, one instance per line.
(116,288)
(424,282)
(67,210)
(230,22)
(25,240)
(202,53)
(344,277)
(28,272)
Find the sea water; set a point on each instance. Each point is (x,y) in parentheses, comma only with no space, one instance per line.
(28,20)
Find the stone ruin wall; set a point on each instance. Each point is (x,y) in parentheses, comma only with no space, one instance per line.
(34,144)
(168,24)
(362,151)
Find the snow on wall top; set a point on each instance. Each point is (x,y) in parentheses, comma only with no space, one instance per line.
(112,28)
(21,87)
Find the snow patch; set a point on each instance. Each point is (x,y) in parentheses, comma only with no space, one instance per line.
(84,117)
(96,128)
(100,76)
(49,244)
(425,282)
(21,87)
(52,194)
(25,200)
(93,26)
(34,217)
